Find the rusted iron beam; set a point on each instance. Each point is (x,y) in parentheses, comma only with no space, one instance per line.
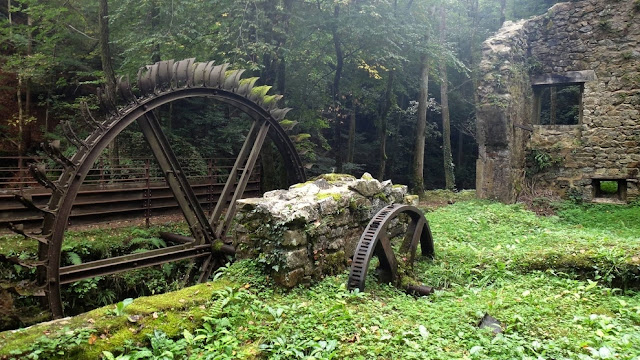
(176,179)
(118,264)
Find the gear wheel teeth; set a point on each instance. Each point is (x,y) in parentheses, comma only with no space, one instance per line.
(39,173)
(71,135)
(375,242)
(258,93)
(19,229)
(232,79)
(88,118)
(270,102)
(216,76)
(52,149)
(279,114)
(124,90)
(245,86)
(200,72)
(27,201)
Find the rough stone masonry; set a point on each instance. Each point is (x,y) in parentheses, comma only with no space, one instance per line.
(312,229)
(594,44)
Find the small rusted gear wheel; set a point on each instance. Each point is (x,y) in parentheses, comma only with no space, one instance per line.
(376,241)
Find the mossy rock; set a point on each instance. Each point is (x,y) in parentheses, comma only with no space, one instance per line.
(335,177)
(171,312)
(335,196)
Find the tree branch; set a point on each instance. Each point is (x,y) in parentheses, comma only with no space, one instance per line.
(80,32)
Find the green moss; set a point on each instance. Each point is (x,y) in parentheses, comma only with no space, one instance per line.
(410,199)
(381,196)
(288,124)
(260,91)
(335,262)
(299,185)
(367,176)
(335,177)
(217,245)
(174,312)
(335,196)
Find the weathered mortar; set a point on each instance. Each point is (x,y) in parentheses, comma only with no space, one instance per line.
(598,35)
(312,229)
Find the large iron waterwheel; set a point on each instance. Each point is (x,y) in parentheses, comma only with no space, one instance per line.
(159,84)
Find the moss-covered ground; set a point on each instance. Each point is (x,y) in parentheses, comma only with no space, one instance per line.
(563,287)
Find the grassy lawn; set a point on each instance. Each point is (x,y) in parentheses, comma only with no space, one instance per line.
(564,287)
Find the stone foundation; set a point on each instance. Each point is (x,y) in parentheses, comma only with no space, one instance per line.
(312,229)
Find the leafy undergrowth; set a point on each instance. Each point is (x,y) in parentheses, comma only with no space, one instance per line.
(548,280)
(80,247)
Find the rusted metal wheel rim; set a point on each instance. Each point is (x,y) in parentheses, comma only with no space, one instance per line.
(375,242)
(175,87)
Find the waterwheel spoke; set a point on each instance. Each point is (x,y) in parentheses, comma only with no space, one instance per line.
(176,179)
(244,178)
(384,252)
(417,235)
(245,151)
(132,261)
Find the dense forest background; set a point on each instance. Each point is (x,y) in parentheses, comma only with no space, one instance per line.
(370,81)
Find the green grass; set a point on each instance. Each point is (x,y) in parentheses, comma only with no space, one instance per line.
(550,281)
(609,187)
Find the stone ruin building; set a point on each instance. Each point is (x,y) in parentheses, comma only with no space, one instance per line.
(558,104)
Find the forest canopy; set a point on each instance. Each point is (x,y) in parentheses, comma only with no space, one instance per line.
(384,86)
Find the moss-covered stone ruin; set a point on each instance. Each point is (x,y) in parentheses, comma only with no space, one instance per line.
(312,229)
(558,106)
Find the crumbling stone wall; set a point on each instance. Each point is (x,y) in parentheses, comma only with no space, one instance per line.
(592,35)
(312,229)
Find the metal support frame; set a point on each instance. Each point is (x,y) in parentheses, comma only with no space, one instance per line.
(187,200)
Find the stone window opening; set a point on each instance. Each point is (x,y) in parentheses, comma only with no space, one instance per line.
(558,104)
(557,97)
(609,190)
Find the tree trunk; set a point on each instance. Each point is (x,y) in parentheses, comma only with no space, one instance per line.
(352,133)
(105,51)
(554,105)
(382,129)
(444,96)
(282,64)
(27,80)
(503,7)
(460,149)
(154,12)
(107,68)
(337,131)
(20,119)
(421,126)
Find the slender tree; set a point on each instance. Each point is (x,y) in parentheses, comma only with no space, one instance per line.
(105,50)
(107,69)
(444,98)
(337,108)
(382,128)
(421,126)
